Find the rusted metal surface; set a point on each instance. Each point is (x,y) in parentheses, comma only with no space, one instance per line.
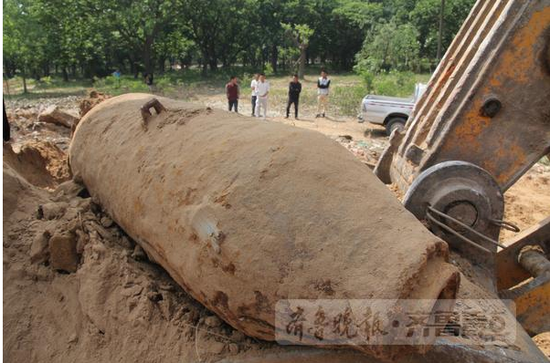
(533,300)
(486,106)
(524,259)
(533,305)
(533,259)
(509,271)
(146,110)
(487,103)
(446,349)
(460,202)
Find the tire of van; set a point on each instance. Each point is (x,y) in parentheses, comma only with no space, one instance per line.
(396,123)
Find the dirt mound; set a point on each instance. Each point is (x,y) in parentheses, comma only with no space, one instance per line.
(55,115)
(19,196)
(366,151)
(26,125)
(94,98)
(115,307)
(41,163)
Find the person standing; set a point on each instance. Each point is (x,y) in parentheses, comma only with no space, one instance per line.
(294,89)
(262,88)
(323,84)
(117,75)
(232,91)
(253,92)
(149,82)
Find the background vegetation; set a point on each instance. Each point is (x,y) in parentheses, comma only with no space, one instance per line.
(182,39)
(347,91)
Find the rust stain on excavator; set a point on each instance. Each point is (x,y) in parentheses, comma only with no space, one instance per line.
(516,69)
(466,134)
(443,81)
(495,115)
(518,59)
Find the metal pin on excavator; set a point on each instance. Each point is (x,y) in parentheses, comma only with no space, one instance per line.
(481,125)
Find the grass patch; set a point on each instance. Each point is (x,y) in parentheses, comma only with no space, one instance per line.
(347,91)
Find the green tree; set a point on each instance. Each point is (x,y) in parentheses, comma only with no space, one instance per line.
(425,16)
(219,28)
(90,38)
(138,24)
(24,40)
(300,35)
(391,46)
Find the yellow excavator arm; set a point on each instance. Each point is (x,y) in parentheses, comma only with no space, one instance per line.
(482,124)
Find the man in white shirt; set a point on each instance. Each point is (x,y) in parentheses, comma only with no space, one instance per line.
(253,92)
(262,88)
(323,84)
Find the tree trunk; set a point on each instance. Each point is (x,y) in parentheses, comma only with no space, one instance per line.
(46,69)
(65,74)
(225,62)
(147,55)
(25,84)
(274,56)
(162,65)
(203,64)
(303,56)
(213,63)
(134,70)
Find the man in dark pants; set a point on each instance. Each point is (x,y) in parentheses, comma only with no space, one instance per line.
(232,92)
(294,89)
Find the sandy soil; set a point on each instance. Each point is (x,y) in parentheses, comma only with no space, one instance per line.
(528,201)
(119,306)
